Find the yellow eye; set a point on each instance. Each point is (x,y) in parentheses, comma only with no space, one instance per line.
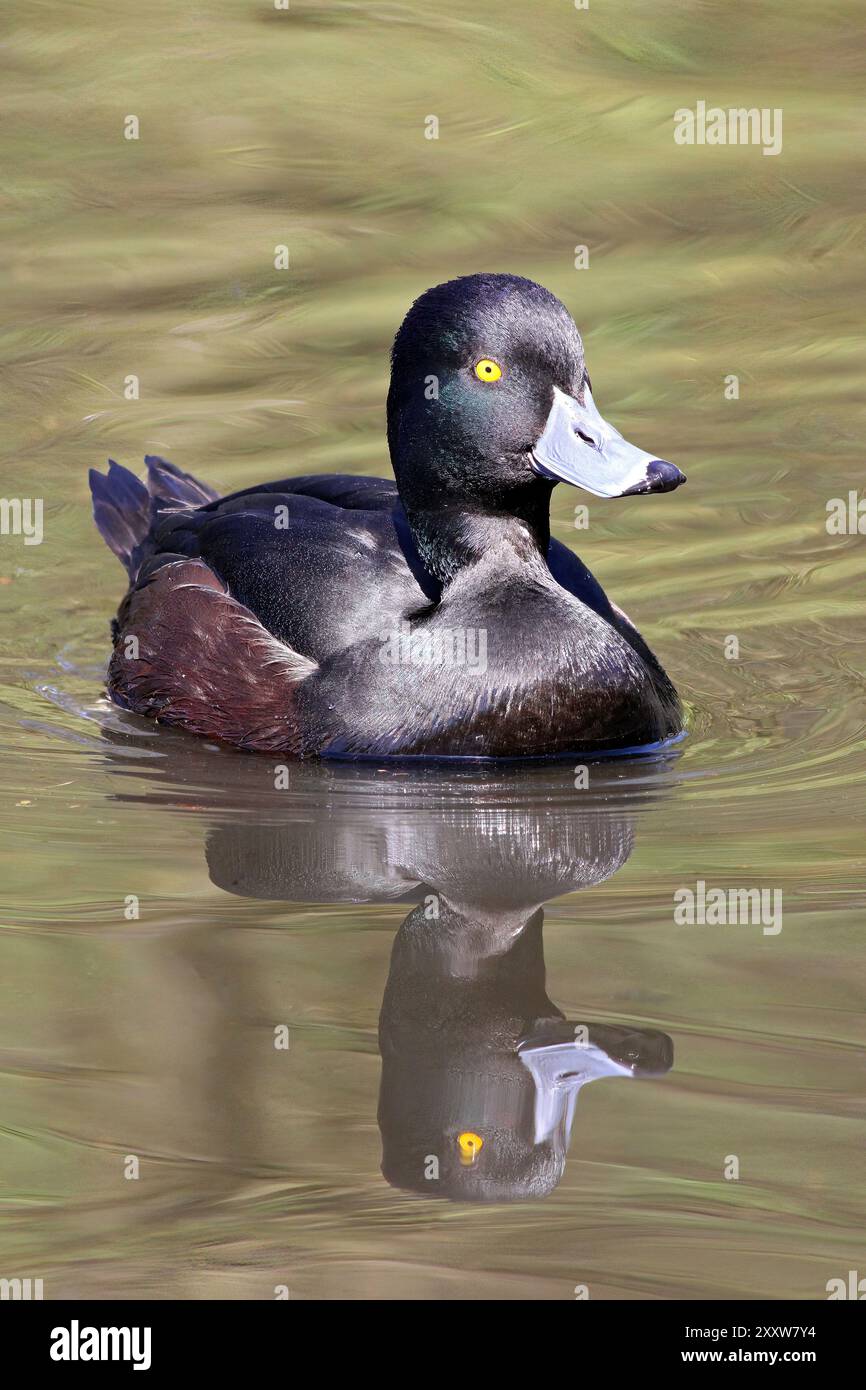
(488,370)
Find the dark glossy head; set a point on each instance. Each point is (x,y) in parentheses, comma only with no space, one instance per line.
(490,403)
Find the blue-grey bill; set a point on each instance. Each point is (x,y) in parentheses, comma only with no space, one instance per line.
(578,446)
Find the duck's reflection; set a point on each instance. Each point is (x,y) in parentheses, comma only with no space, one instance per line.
(480,1070)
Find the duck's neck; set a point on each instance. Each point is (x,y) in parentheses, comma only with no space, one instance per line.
(454,536)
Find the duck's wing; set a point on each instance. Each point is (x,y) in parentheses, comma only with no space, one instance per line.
(340,489)
(187,653)
(317,574)
(239,598)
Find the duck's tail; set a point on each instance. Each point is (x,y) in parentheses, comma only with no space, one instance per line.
(125,510)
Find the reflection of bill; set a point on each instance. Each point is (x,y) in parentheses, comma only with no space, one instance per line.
(560,1069)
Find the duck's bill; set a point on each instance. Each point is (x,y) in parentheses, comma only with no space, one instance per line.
(559,1071)
(560,1065)
(578,446)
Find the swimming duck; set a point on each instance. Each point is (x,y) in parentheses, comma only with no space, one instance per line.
(347,616)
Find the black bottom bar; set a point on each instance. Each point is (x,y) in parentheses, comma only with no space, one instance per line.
(222,1338)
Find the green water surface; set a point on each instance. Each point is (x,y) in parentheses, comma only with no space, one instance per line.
(152,1037)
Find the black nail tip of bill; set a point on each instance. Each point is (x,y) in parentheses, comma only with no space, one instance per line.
(660,477)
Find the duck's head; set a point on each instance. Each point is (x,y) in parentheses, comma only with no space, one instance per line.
(490,405)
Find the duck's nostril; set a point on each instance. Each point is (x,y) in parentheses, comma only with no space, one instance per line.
(587,438)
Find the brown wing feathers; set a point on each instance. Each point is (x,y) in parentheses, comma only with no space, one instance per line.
(187,653)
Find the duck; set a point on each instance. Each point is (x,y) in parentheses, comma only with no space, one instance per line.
(429,616)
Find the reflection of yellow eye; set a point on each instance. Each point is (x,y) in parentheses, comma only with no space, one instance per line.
(488,370)
(470,1145)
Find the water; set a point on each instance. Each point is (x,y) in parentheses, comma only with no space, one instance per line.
(153,1037)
